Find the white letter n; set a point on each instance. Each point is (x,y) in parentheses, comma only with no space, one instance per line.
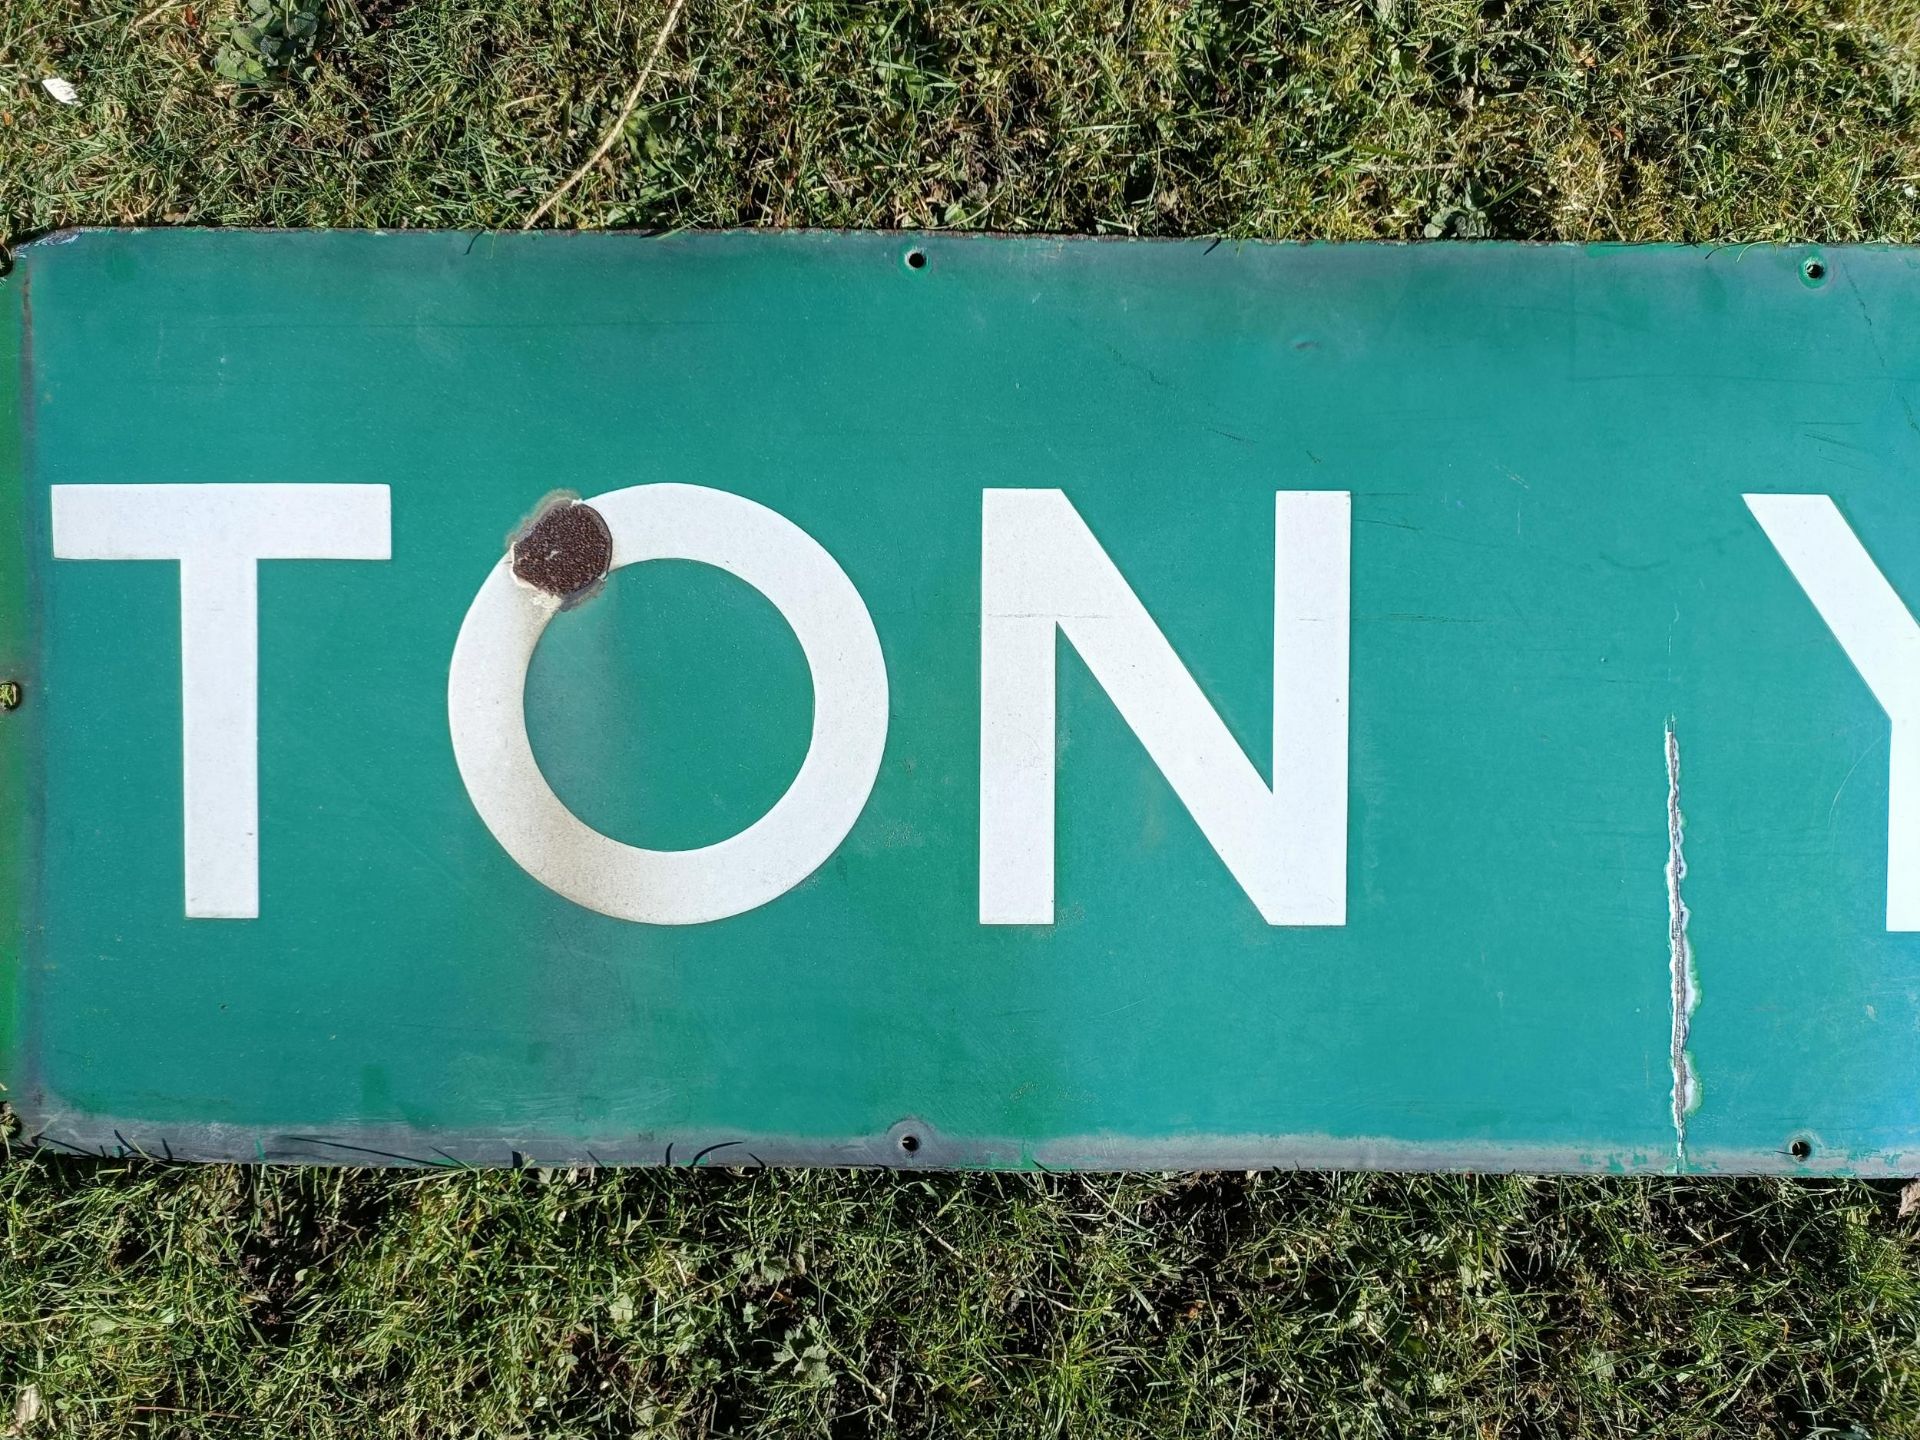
(1042,571)
(1881,639)
(219,533)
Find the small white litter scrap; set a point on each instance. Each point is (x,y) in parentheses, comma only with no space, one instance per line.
(61,90)
(26,1410)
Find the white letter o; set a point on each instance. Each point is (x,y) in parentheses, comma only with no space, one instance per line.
(486,690)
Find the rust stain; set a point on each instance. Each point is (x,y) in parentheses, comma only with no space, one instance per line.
(566,551)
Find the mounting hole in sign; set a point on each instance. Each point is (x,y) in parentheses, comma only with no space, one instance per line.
(916,259)
(1814,269)
(909,1143)
(1800,1148)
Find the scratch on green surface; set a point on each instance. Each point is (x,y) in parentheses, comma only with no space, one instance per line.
(1686,990)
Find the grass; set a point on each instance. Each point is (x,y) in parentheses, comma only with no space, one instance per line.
(176,1301)
(278,1302)
(1598,120)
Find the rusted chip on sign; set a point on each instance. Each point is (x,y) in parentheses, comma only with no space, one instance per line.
(566,551)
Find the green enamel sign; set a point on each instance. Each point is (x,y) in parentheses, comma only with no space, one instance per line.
(746,698)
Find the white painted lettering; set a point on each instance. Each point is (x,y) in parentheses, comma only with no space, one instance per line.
(1879,636)
(1043,571)
(219,534)
(486,688)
